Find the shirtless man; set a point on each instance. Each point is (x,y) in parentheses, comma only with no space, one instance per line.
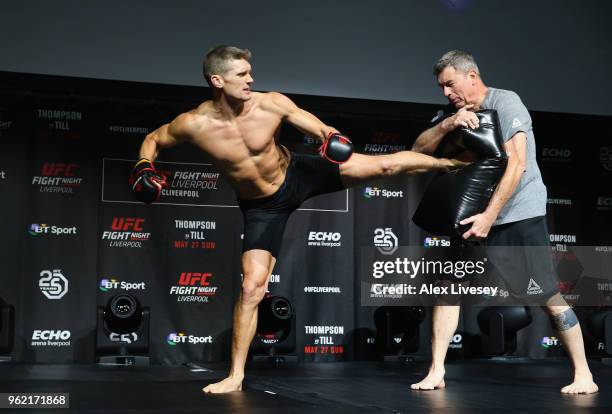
(237,129)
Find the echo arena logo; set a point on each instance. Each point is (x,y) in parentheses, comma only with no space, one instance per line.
(53,284)
(48,338)
(45,229)
(604,203)
(375,192)
(456,341)
(605,158)
(126,232)
(178,338)
(556,154)
(58,178)
(324,239)
(194,287)
(385,240)
(107,285)
(195,234)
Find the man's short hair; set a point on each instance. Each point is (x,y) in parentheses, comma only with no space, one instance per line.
(458,59)
(217,58)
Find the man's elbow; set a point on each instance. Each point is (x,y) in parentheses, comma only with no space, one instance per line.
(151,139)
(518,167)
(156,137)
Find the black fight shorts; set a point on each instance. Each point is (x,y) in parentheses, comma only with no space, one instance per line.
(265,218)
(521,257)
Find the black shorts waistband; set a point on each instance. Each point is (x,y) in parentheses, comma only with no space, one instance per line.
(262,201)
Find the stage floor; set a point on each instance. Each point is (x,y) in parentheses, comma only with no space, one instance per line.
(473,386)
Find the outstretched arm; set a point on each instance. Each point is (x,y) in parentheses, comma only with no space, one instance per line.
(299,118)
(165,136)
(146,182)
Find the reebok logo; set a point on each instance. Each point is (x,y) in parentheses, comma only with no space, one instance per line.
(534,288)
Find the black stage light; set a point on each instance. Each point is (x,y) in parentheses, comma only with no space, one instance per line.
(123,332)
(7,330)
(599,324)
(122,315)
(275,335)
(397,331)
(500,325)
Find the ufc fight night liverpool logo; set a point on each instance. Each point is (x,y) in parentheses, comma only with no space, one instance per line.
(58,177)
(126,232)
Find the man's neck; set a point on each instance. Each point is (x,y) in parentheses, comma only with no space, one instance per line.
(480,97)
(227,107)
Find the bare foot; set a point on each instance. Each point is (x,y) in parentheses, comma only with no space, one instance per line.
(584,385)
(433,381)
(229,384)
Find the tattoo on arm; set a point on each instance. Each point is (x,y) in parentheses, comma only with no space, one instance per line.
(564,320)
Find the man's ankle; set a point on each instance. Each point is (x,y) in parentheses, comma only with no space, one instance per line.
(236,376)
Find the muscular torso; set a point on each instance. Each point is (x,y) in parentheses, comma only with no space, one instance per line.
(245,147)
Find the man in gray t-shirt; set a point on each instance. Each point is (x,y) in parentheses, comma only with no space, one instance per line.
(529,198)
(515,216)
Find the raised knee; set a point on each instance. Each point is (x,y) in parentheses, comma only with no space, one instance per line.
(252,292)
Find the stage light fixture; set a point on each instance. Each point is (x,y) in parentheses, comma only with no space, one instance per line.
(275,335)
(500,324)
(123,332)
(397,330)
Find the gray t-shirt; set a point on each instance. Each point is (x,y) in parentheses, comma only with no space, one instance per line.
(529,198)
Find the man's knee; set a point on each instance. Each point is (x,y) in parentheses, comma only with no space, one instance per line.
(387,166)
(253,290)
(555,302)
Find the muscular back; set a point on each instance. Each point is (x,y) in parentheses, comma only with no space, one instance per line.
(243,147)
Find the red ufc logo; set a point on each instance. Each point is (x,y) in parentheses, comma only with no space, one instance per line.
(380,137)
(192,278)
(57,169)
(127,223)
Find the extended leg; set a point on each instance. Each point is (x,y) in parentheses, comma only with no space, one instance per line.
(361,168)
